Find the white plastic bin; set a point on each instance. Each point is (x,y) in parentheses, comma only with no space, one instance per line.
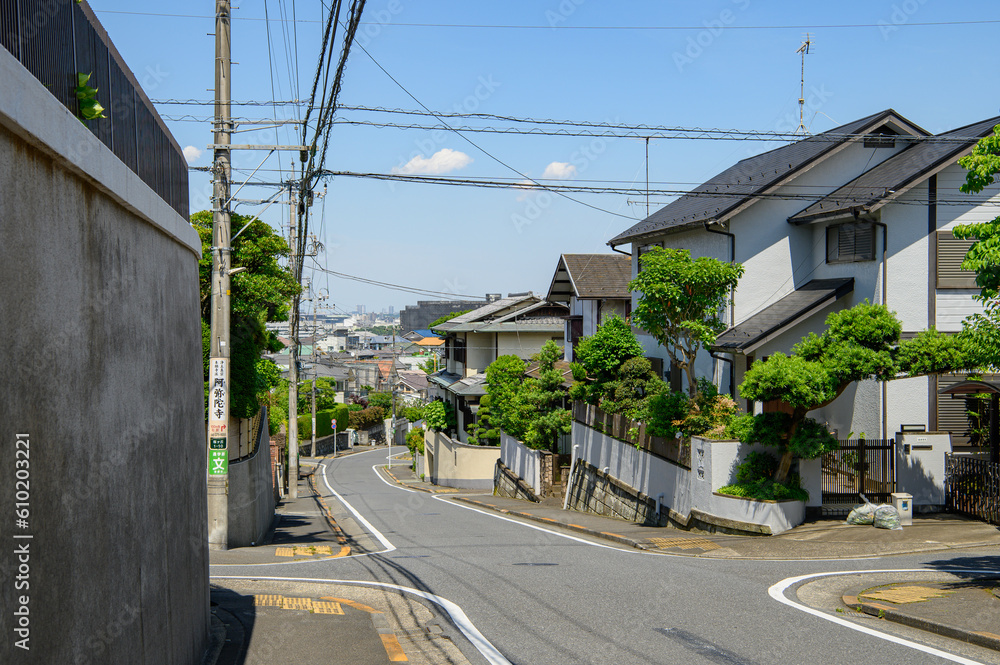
(903,503)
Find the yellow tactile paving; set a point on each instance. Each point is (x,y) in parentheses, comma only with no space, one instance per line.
(266,600)
(296,603)
(351,603)
(311,550)
(901,595)
(684,543)
(327,608)
(284,551)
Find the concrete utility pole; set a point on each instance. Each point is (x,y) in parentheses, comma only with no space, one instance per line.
(293,358)
(218,412)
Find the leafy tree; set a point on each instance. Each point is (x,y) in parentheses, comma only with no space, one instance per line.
(708,414)
(859,343)
(508,411)
(366,418)
(482,432)
(628,393)
(260,294)
(982,331)
(440,416)
(544,399)
(680,301)
(603,353)
(383,400)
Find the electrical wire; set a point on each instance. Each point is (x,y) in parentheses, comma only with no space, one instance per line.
(391,286)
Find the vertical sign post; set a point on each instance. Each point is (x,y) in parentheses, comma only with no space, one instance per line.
(218,417)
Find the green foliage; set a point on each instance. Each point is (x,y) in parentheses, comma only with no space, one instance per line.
(859,343)
(259,294)
(383,400)
(413,413)
(482,432)
(756,466)
(446,317)
(602,353)
(366,418)
(440,416)
(766,489)
(709,414)
(680,301)
(628,393)
(325,421)
(430,365)
(504,378)
(90,108)
(415,441)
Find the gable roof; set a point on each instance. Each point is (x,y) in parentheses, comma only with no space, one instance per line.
(591,277)
(896,175)
(488,311)
(738,186)
(510,314)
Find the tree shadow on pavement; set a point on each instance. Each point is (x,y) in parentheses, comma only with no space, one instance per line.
(968,566)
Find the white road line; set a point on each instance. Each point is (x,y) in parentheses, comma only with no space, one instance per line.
(458,616)
(777,592)
(389,547)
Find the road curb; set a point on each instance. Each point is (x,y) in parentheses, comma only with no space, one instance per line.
(889,613)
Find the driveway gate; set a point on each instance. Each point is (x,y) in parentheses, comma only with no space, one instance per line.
(972,487)
(859,466)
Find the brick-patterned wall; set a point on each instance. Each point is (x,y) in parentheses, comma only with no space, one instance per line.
(545,472)
(593,491)
(505,483)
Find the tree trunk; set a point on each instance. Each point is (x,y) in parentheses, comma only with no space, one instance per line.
(785,464)
(783,467)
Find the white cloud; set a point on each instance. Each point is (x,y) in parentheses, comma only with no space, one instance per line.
(559,171)
(191,154)
(442,161)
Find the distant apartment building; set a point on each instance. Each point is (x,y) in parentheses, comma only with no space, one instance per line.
(421,315)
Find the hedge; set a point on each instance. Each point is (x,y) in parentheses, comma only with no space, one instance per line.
(324,421)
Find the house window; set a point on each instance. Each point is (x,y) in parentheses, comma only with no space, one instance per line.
(848,243)
(460,350)
(951,252)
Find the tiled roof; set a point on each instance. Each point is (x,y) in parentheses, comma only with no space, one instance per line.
(897,174)
(487,311)
(738,185)
(591,276)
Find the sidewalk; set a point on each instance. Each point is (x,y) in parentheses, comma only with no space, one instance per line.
(260,622)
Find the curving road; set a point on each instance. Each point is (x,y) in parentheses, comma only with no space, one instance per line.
(537,596)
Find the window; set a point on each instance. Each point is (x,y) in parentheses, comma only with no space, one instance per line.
(847,243)
(460,350)
(950,253)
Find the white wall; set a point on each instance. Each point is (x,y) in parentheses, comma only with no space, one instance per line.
(525,344)
(479,352)
(524,462)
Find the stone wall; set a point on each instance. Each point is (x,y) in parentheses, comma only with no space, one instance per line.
(506,483)
(594,491)
(102,368)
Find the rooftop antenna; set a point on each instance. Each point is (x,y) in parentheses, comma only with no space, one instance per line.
(804,50)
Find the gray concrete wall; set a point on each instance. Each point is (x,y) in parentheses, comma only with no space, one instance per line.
(251,494)
(102,374)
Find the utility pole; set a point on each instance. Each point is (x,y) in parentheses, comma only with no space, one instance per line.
(293,358)
(218,412)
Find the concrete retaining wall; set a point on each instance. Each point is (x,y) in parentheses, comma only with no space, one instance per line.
(251,494)
(454,464)
(102,367)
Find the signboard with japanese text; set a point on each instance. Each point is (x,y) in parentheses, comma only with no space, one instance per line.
(218,416)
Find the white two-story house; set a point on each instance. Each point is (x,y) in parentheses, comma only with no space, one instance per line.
(861,212)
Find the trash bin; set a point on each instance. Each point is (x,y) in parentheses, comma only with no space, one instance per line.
(903,503)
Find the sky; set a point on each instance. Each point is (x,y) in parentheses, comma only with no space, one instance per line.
(710,64)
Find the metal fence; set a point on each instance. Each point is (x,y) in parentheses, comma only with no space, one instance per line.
(55,40)
(972,487)
(859,466)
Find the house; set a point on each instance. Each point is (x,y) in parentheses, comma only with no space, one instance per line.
(411,385)
(516,325)
(861,212)
(595,288)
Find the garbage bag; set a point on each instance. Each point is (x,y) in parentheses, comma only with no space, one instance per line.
(863,514)
(887,517)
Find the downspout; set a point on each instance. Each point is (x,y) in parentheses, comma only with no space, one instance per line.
(732,303)
(615,249)
(885,276)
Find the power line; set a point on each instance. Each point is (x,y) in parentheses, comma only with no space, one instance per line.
(393,287)
(829,26)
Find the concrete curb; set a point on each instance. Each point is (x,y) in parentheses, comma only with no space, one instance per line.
(889,613)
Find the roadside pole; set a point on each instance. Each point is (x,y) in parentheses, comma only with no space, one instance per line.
(218,411)
(293,358)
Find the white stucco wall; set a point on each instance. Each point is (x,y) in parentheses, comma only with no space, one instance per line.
(479,352)
(523,345)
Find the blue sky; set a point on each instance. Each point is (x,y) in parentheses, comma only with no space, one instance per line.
(714,64)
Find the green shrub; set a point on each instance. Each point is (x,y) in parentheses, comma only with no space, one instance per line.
(366,418)
(415,441)
(324,421)
(383,400)
(767,489)
(756,466)
(413,413)
(709,414)
(440,416)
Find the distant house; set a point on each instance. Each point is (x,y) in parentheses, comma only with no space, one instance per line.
(411,385)
(594,287)
(517,325)
(861,212)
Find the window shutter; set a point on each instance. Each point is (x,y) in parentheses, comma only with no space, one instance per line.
(852,242)
(951,252)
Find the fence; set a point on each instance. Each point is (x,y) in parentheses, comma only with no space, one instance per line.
(972,487)
(619,427)
(57,39)
(858,467)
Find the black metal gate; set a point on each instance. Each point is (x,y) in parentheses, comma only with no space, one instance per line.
(859,466)
(972,487)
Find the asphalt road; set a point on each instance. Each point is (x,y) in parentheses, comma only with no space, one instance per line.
(537,596)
